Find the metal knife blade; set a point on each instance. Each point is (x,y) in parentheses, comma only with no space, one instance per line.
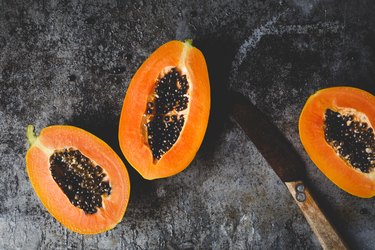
(270,142)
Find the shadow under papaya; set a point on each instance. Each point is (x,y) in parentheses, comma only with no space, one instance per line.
(219,53)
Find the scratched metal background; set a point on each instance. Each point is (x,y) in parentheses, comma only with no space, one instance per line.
(70,62)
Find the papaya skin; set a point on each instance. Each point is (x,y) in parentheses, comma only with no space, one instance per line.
(312,136)
(190,61)
(51,195)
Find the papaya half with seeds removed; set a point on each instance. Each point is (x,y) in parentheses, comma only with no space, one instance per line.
(79,179)
(336,128)
(166,110)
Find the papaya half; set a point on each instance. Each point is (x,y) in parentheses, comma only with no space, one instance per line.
(336,128)
(79,179)
(166,110)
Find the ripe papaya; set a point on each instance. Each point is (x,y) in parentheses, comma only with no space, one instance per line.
(336,127)
(79,179)
(166,110)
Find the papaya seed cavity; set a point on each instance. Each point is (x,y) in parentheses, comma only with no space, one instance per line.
(164,112)
(352,139)
(82,181)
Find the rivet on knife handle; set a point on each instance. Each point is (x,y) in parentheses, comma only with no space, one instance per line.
(300,192)
(324,231)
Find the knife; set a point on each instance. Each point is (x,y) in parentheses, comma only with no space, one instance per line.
(285,161)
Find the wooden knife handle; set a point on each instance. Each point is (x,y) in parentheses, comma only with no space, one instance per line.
(324,231)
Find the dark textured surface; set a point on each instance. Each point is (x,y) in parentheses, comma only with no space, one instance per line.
(67,62)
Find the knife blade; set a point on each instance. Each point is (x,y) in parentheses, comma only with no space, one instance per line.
(269,141)
(287,164)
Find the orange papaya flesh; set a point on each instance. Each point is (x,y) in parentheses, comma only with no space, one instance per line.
(165,111)
(79,179)
(336,128)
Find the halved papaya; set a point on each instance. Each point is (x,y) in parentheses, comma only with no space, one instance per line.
(79,179)
(336,128)
(165,112)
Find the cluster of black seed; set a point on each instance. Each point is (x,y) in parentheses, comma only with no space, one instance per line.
(80,180)
(170,93)
(163,132)
(353,140)
(163,129)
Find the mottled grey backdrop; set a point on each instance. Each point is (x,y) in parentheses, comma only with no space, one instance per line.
(70,62)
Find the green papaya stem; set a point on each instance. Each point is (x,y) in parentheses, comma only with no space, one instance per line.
(189,41)
(31,136)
